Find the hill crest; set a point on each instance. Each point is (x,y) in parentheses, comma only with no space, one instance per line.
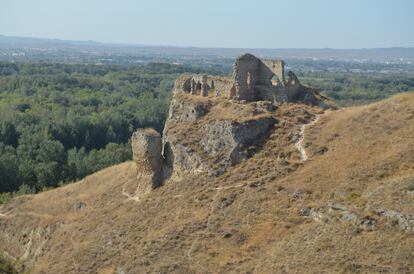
(351,199)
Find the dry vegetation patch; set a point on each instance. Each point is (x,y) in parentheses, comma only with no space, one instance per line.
(344,210)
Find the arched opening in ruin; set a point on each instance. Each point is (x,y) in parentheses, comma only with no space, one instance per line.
(248,79)
(275,80)
(198,86)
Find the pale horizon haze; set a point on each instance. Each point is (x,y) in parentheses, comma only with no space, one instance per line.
(214,23)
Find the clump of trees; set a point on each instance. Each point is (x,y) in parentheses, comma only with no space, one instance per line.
(61,122)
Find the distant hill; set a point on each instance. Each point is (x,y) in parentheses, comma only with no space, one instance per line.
(371,55)
(28,41)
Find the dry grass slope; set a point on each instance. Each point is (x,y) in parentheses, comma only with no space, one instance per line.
(344,210)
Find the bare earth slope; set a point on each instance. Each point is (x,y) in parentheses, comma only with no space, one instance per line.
(345,209)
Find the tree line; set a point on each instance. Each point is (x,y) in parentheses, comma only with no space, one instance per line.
(62,122)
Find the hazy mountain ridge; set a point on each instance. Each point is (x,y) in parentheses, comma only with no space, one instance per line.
(401,54)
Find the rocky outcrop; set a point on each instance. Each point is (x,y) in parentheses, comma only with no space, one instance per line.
(223,144)
(202,137)
(181,159)
(183,111)
(230,141)
(208,132)
(146,149)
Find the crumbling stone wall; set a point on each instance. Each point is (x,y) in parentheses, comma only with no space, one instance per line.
(197,84)
(253,76)
(246,75)
(252,80)
(222,85)
(204,85)
(273,67)
(293,86)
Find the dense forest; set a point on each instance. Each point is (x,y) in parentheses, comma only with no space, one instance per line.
(61,122)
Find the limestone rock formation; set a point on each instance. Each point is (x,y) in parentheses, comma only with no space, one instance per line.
(146,149)
(222,144)
(229,141)
(182,110)
(203,136)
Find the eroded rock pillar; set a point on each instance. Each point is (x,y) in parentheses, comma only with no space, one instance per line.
(146,150)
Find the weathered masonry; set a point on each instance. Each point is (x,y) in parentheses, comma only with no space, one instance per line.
(253,80)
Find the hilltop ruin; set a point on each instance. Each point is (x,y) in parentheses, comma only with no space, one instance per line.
(217,122)
(253,80)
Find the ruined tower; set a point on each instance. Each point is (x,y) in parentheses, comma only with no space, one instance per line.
(253,79)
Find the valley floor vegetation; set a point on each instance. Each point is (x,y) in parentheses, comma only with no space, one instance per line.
(62,122)
(348,89)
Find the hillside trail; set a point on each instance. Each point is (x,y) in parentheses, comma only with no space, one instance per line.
(301,137)
(7,214)
(303,156)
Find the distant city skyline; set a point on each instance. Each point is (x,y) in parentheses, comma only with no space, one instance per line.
(223,24)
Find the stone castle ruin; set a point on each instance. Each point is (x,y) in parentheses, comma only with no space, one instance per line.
(252,80)
(192,143)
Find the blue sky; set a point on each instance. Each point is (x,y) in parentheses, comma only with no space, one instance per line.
(216,23)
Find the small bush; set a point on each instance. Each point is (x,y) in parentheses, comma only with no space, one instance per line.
(353,196)
(7,266)
(394,221)
(23,190)
(4,198)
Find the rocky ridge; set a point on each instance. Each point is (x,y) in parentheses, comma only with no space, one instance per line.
(210,134)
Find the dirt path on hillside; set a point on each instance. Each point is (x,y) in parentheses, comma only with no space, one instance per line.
(301,137)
